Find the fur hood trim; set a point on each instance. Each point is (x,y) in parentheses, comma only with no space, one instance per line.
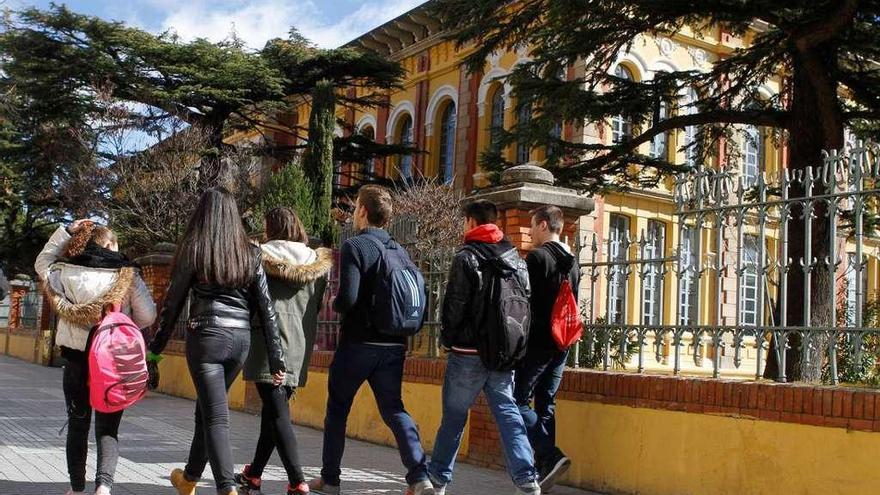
(88,314)
(298,273)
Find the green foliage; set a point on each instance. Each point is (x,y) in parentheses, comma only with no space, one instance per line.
(318,159)
(866,370)
(592,347)
(69,82)
(290,187)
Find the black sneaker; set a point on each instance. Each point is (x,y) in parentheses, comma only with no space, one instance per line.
(551,469)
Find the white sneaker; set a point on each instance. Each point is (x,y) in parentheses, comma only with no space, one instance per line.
(421,488)
(529,489)
(102,490)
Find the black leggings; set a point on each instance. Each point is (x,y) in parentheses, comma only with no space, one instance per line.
(79,417)
(214,357)
(276,430)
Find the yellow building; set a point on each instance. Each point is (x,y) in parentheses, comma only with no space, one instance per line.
(451,114)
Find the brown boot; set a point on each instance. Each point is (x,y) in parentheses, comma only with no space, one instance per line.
(183,485)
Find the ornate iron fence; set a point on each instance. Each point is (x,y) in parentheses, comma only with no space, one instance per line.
(720,290)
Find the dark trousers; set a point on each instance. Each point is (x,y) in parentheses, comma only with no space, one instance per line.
(215,357)
(276,430)
(382,367)
(538,378)
(79,417)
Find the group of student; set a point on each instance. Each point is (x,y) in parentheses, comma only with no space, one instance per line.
(254,308)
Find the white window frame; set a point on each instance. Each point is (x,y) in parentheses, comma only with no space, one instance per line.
(752,155)
(652,284)
(618,232)
(748,284)
(448,121)
(688,306)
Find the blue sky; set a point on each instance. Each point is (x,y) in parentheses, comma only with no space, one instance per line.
(329,23)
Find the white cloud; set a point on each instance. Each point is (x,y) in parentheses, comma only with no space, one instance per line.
(255,22)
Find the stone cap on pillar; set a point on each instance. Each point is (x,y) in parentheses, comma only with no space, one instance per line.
(528,186)
(161,254)
(21,281)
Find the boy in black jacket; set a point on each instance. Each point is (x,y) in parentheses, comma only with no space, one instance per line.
(466,375)
(540,373)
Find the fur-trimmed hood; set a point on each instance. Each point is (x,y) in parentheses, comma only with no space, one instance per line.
(88,313)
(295,262)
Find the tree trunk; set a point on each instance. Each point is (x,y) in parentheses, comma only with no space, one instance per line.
(817,125)
(318,162)
(211,166)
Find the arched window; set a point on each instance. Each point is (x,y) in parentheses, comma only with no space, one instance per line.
(496,124)
(405,138)
(446,167)
(689,107)
(621,126)
(523,119)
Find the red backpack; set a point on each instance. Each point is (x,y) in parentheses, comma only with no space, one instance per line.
(565,319)
(117,363)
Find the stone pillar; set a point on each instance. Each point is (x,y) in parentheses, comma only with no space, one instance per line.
(526,187)
(523,188)
(20,286)
(156,269)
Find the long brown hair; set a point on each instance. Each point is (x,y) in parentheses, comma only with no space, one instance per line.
(283,224)
(215,244)
(88,232)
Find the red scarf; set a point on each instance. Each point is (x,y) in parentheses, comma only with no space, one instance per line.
(488,233)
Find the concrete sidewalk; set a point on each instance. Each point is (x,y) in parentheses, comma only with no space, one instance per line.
(155,436)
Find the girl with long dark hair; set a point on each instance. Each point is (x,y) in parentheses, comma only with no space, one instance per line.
(82,271)
(221,271)
(297,280)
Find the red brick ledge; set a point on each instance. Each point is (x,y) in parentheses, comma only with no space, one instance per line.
(837,407)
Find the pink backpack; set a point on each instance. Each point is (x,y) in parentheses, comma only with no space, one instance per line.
(117,363)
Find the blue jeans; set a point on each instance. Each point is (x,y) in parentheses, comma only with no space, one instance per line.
(382,367)
(538,377)
(465,378)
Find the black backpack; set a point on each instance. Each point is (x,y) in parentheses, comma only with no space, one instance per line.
(503,329)
(399,296)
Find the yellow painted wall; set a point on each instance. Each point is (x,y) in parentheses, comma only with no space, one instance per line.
(618,449)
(174,379)
(422,401)
(22,347)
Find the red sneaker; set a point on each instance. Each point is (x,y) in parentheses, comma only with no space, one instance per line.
(300,489)
(247,482)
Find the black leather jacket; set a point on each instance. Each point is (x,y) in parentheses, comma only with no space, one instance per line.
(465,291)
(223,307)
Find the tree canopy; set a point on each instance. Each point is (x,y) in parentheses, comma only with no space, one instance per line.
(824,52)
(71,81)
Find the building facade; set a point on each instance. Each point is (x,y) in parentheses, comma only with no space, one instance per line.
(451,115)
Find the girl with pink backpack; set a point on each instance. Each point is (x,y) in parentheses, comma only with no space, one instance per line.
(83,276)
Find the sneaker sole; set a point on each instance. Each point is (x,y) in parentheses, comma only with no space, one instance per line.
(553,476)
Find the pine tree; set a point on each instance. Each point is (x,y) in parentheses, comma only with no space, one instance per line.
(826,52)
(318,158)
